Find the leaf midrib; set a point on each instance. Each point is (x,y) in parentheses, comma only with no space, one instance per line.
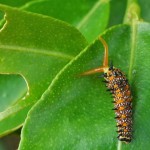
(37,51)
(133,47)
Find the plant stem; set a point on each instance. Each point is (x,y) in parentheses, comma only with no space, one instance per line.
(119,145)
(132,12)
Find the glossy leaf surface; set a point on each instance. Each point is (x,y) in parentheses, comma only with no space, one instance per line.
(36,47)
(12,88)
(75,112)
(90,17)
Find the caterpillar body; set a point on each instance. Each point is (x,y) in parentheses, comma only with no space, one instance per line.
(118,85)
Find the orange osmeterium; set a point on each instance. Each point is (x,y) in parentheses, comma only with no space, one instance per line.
(118,85)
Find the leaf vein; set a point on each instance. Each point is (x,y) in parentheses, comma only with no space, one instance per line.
(37,51)
(133,46)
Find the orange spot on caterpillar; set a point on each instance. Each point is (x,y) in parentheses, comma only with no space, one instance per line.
(121,108)
(119,101)
(117,91)
(123,116)
(119,95)
(111,78)
(115,86)
(124,124)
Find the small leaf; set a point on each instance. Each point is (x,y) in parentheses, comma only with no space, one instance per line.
(12,88)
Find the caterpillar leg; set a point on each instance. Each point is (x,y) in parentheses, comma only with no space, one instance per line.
(103,68)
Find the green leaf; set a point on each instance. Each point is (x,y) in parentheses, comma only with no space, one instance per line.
(75,112)
(36,47)
(145,11)
(12,88)
(90,17)
(117,7)
(133,12)
(79,11)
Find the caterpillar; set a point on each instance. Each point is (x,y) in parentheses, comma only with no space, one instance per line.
(118,85)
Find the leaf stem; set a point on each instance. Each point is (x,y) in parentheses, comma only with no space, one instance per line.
(119,145)
(132,12)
